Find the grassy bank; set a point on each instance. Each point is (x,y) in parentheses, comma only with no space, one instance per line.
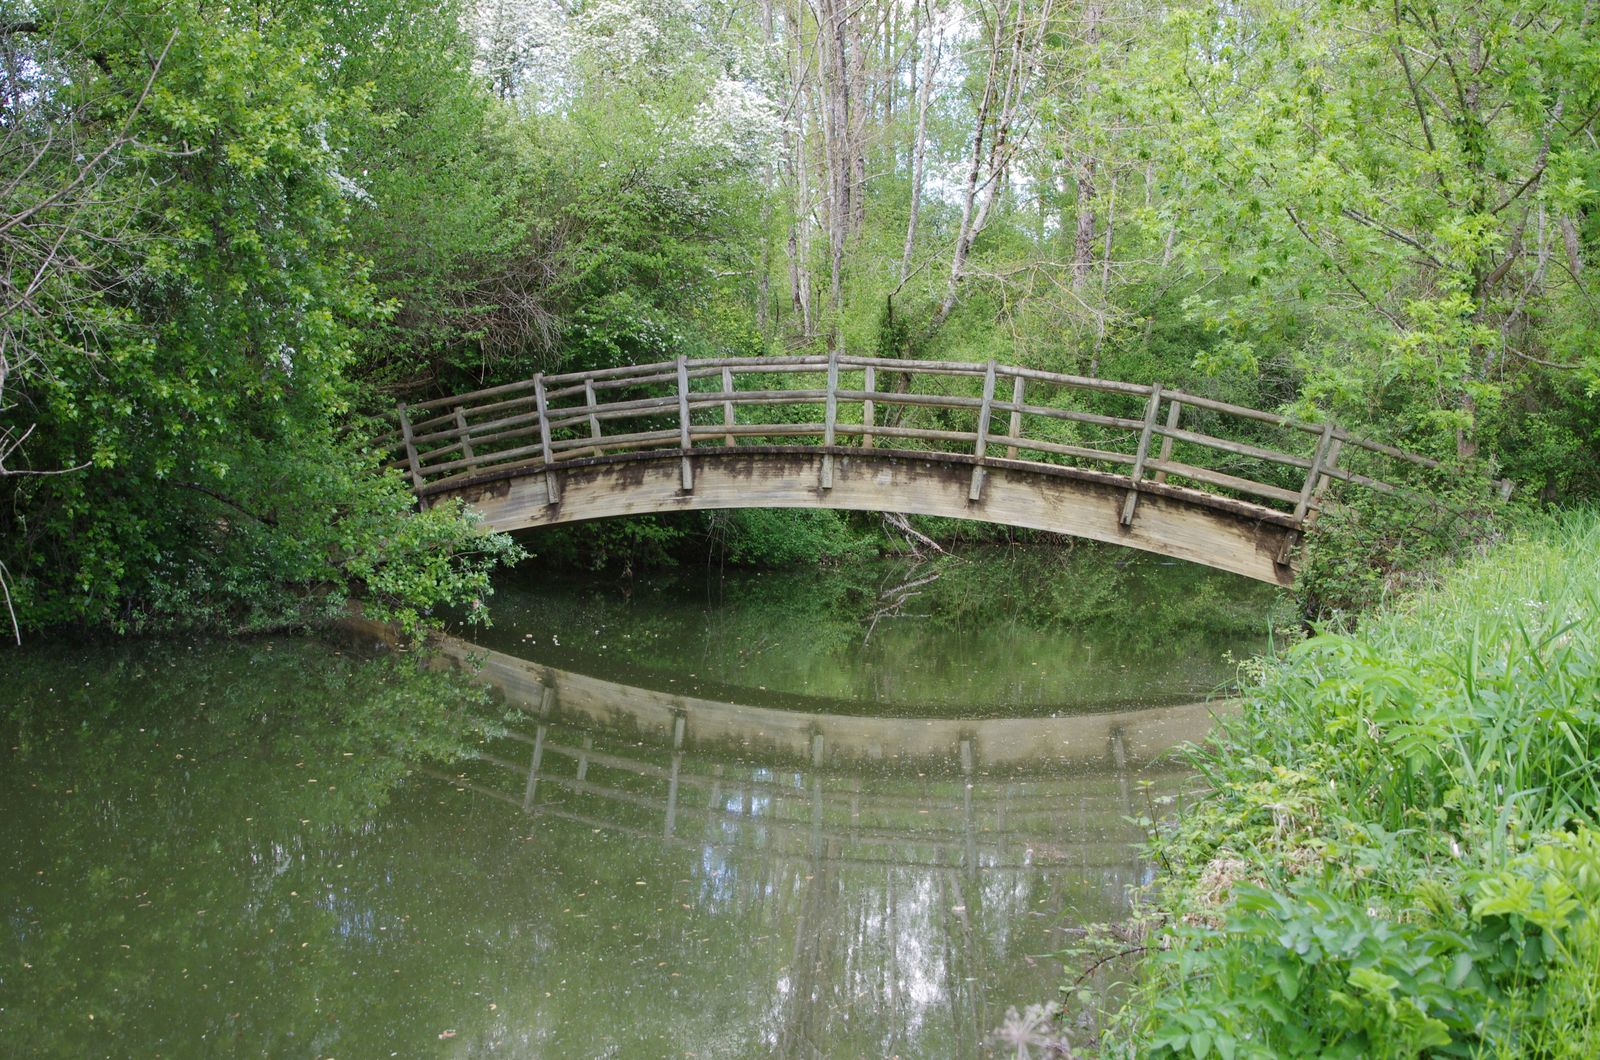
(1400,856)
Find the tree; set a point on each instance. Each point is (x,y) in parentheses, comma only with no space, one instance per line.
(189,358)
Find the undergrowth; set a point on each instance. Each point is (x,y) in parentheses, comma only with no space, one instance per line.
(1400,855)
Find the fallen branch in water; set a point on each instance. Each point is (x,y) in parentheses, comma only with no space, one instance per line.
(915,538)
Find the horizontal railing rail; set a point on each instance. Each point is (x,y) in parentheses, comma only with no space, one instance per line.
(990,414)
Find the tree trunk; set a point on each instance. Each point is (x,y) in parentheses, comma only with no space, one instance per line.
(1012,50)
(919,142)
(1083,243)
(1569,238)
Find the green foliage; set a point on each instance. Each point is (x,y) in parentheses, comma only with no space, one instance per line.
(203,394)
(771,537)
(1400,854)
(1366,547)
(627,545)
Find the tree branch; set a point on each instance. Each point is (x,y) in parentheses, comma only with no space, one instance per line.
(1365,297)
(222,498)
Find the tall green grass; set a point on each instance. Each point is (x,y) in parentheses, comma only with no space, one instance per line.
(1400,854)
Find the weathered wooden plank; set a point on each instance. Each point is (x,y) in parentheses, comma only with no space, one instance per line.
(667,437)
(1074,416)
(1063,449)
(1220,478)
(932,401)
(727,405)
(477,412)
(1324,480)
(1243,412)
(1151,408)
(869,383)
(487,461)
(684,441)
(709,366)
(1017,384)
(485,457)
(1388,450)
(760,431)
(1173,412)
(594,421)
(1233,536)
(1314,473)
(830,420)
(411,448)
(597,374)
(637,407)
(1080,382)
(466,438)
(927,434)
(900,364)
(471,395)
(980,445)
(553,487)
(1236,448)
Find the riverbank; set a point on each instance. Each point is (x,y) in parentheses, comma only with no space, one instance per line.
(1401,855)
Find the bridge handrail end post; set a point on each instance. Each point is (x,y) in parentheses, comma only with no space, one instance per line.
(1152,407)
(685,442)
(980,447)
(830,422)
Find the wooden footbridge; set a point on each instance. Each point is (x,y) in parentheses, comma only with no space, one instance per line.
(1133,464)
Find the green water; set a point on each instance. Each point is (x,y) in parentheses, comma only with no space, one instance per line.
(998,633)
(280,847)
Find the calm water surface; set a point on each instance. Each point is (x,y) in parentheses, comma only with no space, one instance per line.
(740,819)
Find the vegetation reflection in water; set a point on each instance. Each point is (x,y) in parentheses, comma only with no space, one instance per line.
(271,847)
(1002,632)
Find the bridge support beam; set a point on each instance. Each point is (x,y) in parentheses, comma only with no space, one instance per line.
(1184,524)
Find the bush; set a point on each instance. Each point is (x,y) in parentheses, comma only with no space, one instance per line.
(1400,855)
(776,537)
(1367,547)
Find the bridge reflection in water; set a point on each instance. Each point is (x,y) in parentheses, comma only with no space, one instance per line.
(880,885)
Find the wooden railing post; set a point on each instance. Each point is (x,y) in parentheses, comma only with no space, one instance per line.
(594,421)
(1015,430)
(552,485)
(1313,474)
(1141,454)
(411,448)
(1328,445)
(684,441)
(466,440)
(830,420)
(869,383)
(727,406)
(981,446)
(1324,480)
(1173,412)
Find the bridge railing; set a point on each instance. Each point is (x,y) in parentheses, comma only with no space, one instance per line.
(1144,436)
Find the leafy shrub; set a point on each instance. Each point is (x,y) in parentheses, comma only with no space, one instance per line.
(1400,855)
(775,537)
(1368,546)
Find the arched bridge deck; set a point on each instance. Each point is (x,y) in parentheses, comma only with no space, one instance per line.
(1139,465)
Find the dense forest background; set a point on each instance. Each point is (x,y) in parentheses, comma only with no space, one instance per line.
(231,234)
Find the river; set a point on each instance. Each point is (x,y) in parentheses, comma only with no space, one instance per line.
(845,812)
